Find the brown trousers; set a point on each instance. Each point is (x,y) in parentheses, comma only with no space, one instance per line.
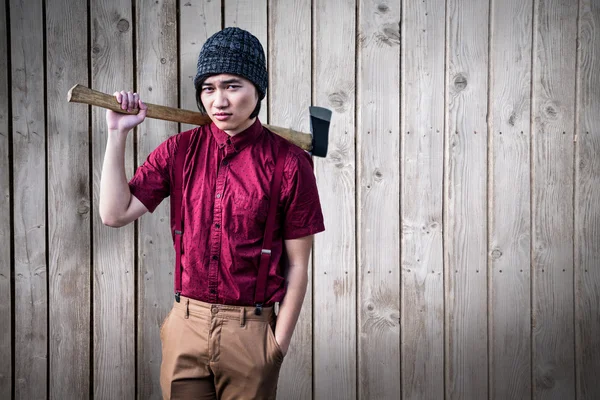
(214,351)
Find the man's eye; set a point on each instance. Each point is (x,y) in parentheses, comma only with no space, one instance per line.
(206,89)
(233,86)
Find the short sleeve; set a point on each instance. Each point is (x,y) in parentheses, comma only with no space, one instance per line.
(151,182)
(302,208)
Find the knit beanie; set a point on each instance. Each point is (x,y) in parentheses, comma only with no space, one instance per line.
(233,51)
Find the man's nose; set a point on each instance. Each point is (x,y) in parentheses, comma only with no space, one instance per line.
(221,99)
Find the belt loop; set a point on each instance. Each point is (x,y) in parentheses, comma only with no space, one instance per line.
(242,316)
(187,309)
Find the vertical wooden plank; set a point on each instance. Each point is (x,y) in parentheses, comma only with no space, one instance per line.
(378,149)
(587,198)
(6,369)
(31,306)
(250,15)
(68,201)
(290,88)
(198,20)
(156,80)
(113,255)
(423,35)
(553,107)
(509,199)
(335,363)
(466,200)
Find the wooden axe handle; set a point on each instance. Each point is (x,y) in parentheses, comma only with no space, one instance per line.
(85,95)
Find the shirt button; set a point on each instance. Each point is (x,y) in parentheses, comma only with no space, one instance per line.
(218,195)
(217,226)
(215,258)
(225,162)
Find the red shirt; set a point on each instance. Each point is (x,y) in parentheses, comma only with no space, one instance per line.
(225,203)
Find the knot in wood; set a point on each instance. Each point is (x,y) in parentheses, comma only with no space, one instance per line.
(123,25)
(378,175)
(460,82)
(83,207)
(551,111)
(496,254)
(389,35)
(383,8)
(338,101)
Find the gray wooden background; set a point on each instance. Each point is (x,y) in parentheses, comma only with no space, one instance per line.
(461,194)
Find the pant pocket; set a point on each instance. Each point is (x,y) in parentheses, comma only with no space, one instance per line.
(270,326)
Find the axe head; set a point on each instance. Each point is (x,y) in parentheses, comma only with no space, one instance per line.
(319,128)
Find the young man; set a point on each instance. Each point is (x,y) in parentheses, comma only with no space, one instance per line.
(216,342)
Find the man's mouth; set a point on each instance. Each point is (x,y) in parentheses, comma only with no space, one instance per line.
(221,116)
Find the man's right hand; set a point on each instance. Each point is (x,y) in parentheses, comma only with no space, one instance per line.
(125,122)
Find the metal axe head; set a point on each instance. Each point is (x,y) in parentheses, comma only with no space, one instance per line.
(319,128)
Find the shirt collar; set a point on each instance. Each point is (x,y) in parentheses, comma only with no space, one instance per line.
(239,141)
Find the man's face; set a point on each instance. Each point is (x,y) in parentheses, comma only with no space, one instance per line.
(229,100)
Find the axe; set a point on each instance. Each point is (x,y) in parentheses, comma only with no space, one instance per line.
(315,143)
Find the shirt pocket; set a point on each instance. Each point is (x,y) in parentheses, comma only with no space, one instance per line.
(249,218)
(252,208)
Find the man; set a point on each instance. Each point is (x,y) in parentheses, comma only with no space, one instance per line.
(217,343)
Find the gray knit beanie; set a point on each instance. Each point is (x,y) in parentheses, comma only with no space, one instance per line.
(233,51)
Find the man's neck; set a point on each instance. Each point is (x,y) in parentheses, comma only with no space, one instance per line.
(242,128)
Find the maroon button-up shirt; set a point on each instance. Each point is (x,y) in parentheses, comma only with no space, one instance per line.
(225,203)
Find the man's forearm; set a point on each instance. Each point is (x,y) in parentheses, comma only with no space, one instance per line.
(291,305)
(115,195)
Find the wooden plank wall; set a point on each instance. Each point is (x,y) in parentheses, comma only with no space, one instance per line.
(465,207)
(553,124)
(69,204)
(113,312)
(587,191)
(29,194)
(6,367)
(378,178)
(461,194)
(509,225)
(290,96)
(335,284)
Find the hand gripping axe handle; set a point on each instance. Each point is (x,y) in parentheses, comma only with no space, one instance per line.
(315,142)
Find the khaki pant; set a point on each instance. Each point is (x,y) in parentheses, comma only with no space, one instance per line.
(219,352)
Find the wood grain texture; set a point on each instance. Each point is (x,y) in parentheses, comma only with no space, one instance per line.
(587,209)
(68,202)
(335,286)
(422,199)
(509,200)
(198,20)
(290,97)
(251,15)
(378,180)
(156,80)
(29,164)
(31,306)
(113,255)
(465,224)
(6,369)
(553,107)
